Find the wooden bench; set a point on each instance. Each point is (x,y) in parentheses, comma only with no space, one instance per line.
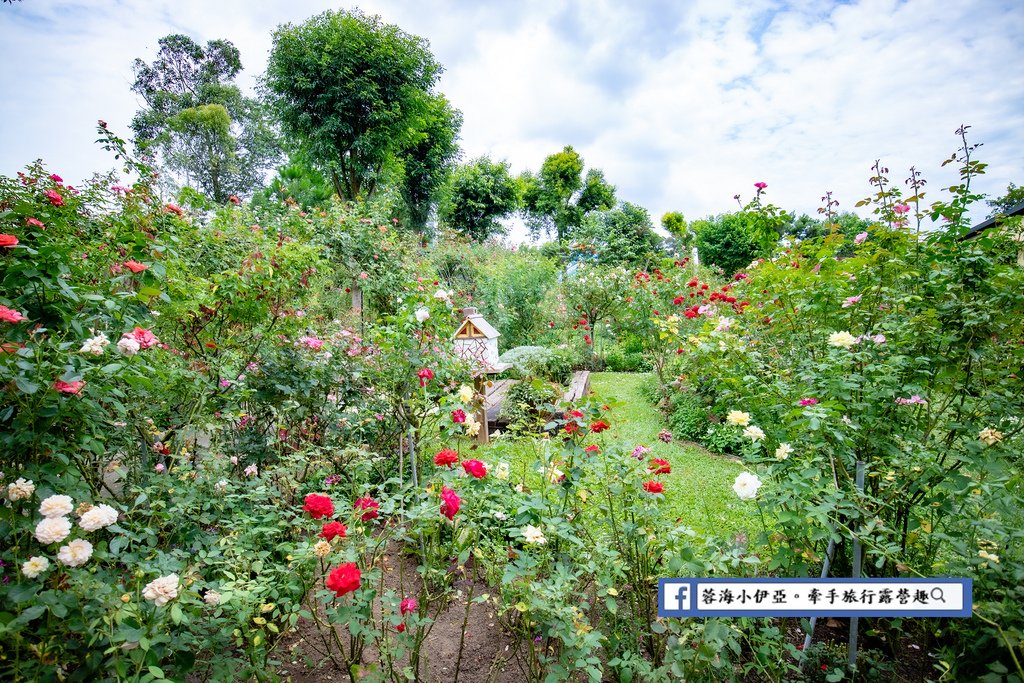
(579,387)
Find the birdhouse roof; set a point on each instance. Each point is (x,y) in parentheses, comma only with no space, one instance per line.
(475,327)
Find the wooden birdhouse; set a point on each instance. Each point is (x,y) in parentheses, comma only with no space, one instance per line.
(476,341)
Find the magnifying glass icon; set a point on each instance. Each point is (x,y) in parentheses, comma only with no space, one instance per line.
(938,595)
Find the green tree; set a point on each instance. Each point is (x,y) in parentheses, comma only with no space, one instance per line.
(478,195)
(299,183)
(621,236)
(207,132)
(676,225)
(556,199)
(726,241)
(1002,205)
(428,160)
(357,95)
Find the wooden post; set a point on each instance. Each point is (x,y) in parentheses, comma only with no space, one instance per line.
(480,385)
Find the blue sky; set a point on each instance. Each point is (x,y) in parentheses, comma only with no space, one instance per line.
(682,104)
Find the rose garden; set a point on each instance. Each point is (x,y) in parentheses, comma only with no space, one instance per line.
(237,442)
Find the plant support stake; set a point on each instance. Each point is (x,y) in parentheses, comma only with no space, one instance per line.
(852,663)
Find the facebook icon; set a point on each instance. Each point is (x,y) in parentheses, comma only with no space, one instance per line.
(674,597)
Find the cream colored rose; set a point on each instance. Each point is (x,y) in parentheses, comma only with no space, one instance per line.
(738,418)
(533,535)
(162,590)
(53,530)
(20,489)
(783,451)
(35,566)
(989,436)
(322,549)
(57,506)
(466,393)
(502,471)
(98,517)
(843,339)
(212,598)
(75,554)
(754,433)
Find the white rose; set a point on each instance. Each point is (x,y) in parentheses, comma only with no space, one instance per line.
(161,590)
(57,506)
(442,295)
(221,486)
(422,314)
(98,517)
(35,566)
(754,433)
(783,451)
(746,486)
(53,530)
(95,345)
(842,339)
(533,535)
(212,598)
(322,549)
(502,471)
(128,346)
(76,553)
(20,489)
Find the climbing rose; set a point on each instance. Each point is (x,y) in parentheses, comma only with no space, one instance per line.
(761,186)
(318,506)
(424,375)
(68,387)
(344,579)
(449,502)
(901,208)
(10,316)
(8,240)
(446,457)
(599,426)
(653,487)
(475,468)
(135,266)
(659,466)
(369,505)
(332,530)
(458,416)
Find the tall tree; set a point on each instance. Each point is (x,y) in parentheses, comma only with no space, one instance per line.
(357,94)
(198,119)
(427,161)
(622,236)
(478,195)
(1002,205)
(556,199)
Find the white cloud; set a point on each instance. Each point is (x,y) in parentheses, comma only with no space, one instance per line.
(682,106)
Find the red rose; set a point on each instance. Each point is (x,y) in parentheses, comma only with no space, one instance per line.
(34,222)
(572,428)
(678,300)
(175,209)
(446,457)
(332,530)
(576,413)
(344,579)
(424,375)
(400,628)
(234,200)
(68,387)
(318,506)
(407,605)
(54,197)
(449,503)
(599,426)
(458,416)
(8,240)
(135,266)
(592,448)
(369,505)
(653,487)
(659,466)
(56,178)
(475,468)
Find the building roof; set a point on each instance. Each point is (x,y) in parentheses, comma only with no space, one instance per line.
(981,227)
(475,320)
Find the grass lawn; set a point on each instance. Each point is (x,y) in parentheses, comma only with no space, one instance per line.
(698,493)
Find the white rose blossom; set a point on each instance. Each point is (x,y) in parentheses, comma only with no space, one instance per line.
(533,535)
(52,530)
(57,506)
(95,345)
(422,314)
(75,554)
(212,598)
(98,517)
(35,566)
(783,451)
(20,489)
(161,590)
(502,471)
(738,418)
(754,433)
(128,346)
(746,486)
(221,486)
(842,339)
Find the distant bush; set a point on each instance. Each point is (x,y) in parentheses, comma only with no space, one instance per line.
(688,417)
(523,405)
(542,362)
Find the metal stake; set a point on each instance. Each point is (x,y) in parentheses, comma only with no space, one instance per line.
(852,662)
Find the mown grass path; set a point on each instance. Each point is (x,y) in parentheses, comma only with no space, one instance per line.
(698,492)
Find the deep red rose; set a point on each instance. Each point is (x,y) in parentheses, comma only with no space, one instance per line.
(572,428)
(475,468)
(56,178)
(576,413)
(446,457)
(400,628)
(659,466)
(318,506)
(344,579)
(424,375)
(449,502)
(369,505)
(599,426)
(653,487)
(678,300)
(458,416)
(333,530)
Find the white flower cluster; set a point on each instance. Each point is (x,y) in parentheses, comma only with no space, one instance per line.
(95,345)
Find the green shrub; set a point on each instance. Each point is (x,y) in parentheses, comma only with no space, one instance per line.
(555,365)
(688,416)
(524,405)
